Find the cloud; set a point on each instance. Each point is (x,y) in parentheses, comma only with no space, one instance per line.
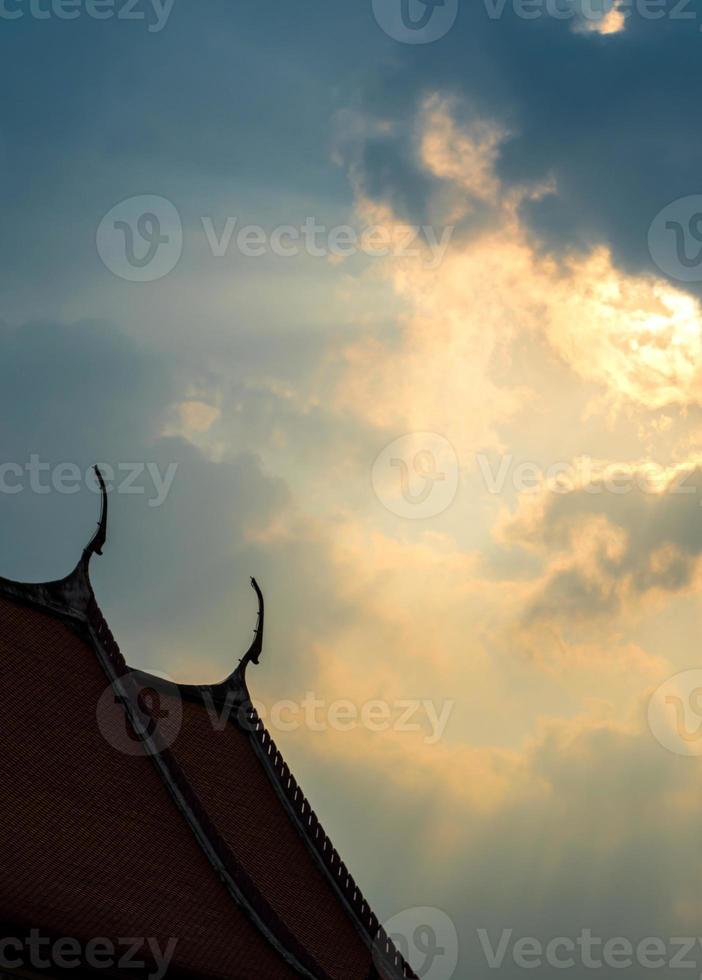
(542,335)
(591,818)
(457,366)
(172,573)
(611,544)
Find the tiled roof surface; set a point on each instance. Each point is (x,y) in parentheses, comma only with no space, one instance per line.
(91,843)
(240,799)
(203,836)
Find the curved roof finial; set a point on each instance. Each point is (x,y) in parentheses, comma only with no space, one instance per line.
(73,594)
(98,540)
(253,654)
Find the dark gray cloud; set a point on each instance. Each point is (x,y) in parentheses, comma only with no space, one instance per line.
(73,395)
(586,826)
(174,579)
(648,542)
(612,118)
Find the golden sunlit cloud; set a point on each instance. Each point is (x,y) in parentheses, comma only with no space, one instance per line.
(612,22)
(521,611)
(197,417)
(636,337)
(630,340)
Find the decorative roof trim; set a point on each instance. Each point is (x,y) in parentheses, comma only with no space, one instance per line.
(253,654)
(324,852)
(73,598)
(229,871)
(69,596)
(98,540)
(240,712)
(234,695)
(232,691)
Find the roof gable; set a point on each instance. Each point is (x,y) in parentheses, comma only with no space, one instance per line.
(201,832)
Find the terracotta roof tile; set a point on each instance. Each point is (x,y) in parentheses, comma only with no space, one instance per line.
(91,843)
(229,778)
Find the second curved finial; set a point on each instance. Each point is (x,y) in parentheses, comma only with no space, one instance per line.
(97,542)
(253,654)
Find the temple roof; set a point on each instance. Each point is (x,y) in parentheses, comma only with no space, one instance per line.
(137,807)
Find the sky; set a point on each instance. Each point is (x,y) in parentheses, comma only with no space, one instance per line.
(396,307)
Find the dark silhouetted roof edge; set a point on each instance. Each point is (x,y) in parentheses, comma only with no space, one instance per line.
(73,600)
(234,877)
(324,852)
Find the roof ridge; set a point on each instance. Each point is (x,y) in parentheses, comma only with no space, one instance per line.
(73,598)
(239,884)
(312,830)
(275,766)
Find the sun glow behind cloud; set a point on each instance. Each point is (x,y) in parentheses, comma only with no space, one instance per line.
(626,343)
(638,338)
(544,658)
(611,22)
